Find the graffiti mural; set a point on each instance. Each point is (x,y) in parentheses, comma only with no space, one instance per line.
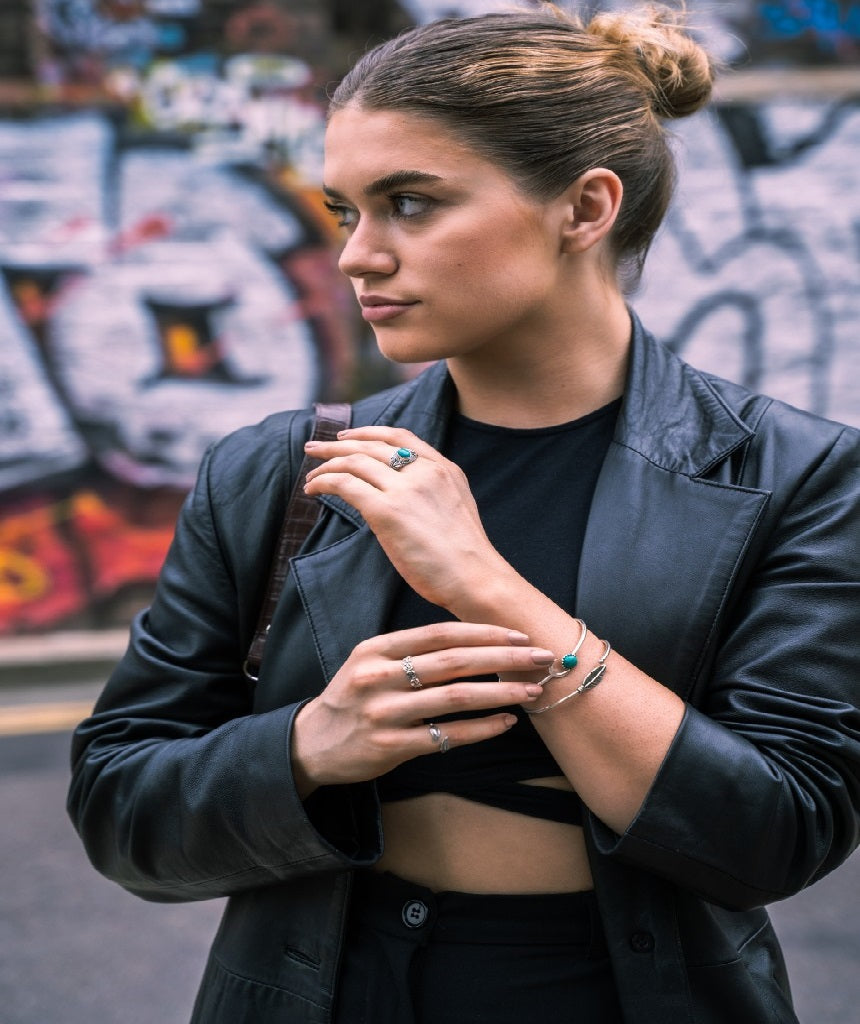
(756,273)
(167,274)
(167,271)
(153,299)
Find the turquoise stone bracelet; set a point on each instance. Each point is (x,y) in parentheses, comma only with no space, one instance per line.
(568,661)
(591,680)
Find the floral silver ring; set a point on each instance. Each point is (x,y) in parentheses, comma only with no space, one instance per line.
(411,674)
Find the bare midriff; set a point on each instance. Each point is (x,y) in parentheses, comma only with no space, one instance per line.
(449,843)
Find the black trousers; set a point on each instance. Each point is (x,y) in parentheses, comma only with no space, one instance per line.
(414,956)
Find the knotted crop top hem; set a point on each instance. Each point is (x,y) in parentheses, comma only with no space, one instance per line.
(534,800)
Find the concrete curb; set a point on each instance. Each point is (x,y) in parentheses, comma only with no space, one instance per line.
(63,657)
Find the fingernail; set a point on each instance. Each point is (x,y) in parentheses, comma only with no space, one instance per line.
(510,720)
(516,637)
(533,690)
(542,657)
(343,433)
(312,444)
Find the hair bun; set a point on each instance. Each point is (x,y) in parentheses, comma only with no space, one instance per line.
(679,72)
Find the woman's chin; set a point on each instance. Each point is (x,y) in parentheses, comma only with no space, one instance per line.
(408,352)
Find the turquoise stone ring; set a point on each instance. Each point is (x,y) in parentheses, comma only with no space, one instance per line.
(402,457)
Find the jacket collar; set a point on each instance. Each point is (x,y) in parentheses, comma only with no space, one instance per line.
(670,413)
(687,428)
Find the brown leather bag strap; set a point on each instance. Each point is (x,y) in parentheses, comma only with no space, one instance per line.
(301,514)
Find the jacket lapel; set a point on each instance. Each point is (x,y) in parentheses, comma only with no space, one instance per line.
(346,584)
(663,542)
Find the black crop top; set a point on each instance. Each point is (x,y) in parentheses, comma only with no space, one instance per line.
(533,489)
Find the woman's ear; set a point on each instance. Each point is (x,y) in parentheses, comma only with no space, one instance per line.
(593,201)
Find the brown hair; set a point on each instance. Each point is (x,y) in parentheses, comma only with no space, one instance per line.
(547,97)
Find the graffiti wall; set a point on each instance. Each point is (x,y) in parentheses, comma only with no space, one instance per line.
(167,272)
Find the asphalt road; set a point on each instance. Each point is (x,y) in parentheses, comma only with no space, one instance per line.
(75,949)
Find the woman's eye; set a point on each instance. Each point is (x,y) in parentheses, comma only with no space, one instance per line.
(409,206)
(344,215)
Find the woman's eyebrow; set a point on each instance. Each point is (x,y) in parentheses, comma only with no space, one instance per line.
(397,179)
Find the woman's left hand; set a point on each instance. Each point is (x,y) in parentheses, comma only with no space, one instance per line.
(422,514)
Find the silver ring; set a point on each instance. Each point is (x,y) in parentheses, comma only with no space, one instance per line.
(411,674)
(444,746)
(435,733)
(402,457)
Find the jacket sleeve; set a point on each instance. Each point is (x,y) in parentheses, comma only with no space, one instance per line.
(179,791)
(759,794)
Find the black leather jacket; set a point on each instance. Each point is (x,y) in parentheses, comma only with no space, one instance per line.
(721,557)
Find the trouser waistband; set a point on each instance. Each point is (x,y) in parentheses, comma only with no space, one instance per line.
(399,907)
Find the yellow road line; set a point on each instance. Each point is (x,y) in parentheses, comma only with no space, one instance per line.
(21,719)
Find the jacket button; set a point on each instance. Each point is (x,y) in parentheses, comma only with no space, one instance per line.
(414,913)
(641,942)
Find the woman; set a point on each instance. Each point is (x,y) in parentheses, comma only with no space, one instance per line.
(607,823)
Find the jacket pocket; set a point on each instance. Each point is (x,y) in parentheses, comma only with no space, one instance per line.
(278,946)
(752,986)
(228,998)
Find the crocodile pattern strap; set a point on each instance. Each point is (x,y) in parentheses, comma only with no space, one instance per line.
(301,515)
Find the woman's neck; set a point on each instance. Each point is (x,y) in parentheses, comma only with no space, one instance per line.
(561,377)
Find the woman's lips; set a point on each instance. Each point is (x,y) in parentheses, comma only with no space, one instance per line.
(375,309)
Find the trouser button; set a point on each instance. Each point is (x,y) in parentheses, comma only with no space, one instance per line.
(414,913)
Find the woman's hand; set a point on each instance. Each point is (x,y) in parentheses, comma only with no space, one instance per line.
(423,515)
(373,715)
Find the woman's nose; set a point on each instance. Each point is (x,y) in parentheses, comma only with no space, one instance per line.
(366,252)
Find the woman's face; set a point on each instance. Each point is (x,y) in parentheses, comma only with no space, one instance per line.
(446,254)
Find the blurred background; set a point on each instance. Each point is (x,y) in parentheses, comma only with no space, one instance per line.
(167,274)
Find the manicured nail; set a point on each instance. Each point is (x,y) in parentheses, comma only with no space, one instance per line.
(510,720)
(312,444)
(534,690)
(518,638)
(542,657)
(344,433)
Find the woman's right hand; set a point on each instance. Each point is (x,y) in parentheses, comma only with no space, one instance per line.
(369,718)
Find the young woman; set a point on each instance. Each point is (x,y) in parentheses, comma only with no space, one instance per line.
(617,595)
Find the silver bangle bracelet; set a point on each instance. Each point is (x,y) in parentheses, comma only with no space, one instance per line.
(591,680)
(569,660)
